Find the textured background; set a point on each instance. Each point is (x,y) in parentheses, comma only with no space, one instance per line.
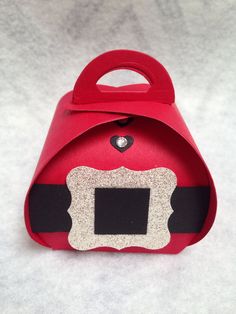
(43,47)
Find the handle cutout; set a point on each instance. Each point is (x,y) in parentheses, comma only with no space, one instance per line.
(122,77)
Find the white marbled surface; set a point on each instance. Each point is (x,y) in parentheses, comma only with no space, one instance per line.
(43,47)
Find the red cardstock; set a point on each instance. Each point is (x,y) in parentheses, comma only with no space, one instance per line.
(82,126)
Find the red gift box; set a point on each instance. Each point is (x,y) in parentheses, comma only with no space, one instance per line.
(119,170)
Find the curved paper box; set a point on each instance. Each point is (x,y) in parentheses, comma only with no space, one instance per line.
(80,135)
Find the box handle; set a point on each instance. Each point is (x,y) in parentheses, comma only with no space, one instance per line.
(87,91)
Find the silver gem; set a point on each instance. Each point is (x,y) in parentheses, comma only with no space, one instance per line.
(121,141)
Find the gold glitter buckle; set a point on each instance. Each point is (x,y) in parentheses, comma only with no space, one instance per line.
(82,182)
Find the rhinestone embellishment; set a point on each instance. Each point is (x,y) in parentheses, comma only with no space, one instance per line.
(121,141)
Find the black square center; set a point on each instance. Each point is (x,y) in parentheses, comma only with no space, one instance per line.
(121,210)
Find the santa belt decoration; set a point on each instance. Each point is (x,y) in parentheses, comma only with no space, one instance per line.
(119,170)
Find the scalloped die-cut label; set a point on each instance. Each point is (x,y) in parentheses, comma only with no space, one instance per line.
(82,182)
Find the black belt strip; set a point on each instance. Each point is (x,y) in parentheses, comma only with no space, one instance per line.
(48,205)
